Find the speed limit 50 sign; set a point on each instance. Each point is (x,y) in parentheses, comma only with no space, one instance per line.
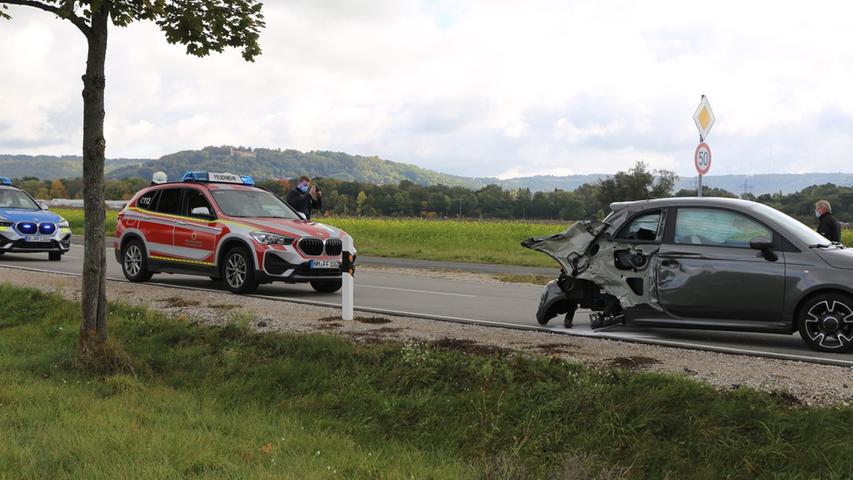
(702,158)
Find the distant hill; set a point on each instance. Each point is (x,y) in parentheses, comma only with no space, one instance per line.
(274,163)
(267,163)
(47,167)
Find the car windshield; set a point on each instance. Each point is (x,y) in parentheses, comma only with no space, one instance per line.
(17,199)
(803,232)
(252,203)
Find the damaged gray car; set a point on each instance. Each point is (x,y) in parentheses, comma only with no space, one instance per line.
(707,263)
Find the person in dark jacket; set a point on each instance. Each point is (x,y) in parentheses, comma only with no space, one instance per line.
(828,225)
(305,197)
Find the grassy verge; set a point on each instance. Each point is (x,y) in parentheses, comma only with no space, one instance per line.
(223,402)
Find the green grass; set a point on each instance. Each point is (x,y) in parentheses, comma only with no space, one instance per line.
(75,219)
(465,241)
(226,403)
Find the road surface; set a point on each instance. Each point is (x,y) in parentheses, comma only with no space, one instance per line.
(501,305)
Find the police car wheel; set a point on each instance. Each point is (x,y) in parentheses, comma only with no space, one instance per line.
(326,286)
(238,271)
(54,256)
(134,262)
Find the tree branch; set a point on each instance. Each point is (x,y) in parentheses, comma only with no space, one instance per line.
(77,21)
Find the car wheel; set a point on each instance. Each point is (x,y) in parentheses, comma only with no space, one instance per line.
(826,322)
(54,256)
(238,271)
(134,262)
(326,286)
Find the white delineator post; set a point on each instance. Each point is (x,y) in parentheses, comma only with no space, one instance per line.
(347,279)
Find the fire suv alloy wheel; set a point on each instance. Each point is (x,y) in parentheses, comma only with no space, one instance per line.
(238,272)
(134,263)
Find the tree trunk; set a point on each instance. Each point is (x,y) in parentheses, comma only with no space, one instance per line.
(93,328)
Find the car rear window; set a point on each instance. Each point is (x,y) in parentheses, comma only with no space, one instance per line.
(170,201)
(148,200)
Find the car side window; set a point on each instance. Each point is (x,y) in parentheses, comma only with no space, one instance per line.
(705,226)
(170,201)
(197,205)
(148,200)
(647,226)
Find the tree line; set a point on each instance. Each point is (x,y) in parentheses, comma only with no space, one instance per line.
(408,199)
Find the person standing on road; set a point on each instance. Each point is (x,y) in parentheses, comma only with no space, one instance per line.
(305,197)
(828,225)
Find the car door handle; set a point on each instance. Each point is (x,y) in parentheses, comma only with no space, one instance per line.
(668,262)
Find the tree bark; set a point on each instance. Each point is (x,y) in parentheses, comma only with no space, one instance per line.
(93,328)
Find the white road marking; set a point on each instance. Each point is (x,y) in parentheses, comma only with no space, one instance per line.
(431,292)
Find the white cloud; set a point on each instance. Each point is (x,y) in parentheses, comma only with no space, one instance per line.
(472,87)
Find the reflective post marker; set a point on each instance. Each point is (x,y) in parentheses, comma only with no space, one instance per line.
(347,271)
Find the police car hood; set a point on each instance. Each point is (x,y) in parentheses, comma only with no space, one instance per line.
(294,228)
(37,216)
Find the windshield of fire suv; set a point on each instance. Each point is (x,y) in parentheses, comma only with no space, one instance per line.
(252,203)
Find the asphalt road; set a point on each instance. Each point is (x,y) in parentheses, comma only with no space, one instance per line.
(500,305)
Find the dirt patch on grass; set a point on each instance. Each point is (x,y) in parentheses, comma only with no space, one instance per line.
(179,302)
(329,326)
(373,320)
(468,346)
(786,398)
(224,306)
(552,348)
(635,362)
(523,278)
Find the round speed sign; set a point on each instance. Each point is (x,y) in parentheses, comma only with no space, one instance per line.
(702,158)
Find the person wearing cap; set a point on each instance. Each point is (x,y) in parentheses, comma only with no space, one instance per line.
(305,197)
(828,225)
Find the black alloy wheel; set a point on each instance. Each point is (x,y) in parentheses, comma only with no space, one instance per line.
(826,322)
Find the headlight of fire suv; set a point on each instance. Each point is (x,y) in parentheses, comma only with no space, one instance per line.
(271,238)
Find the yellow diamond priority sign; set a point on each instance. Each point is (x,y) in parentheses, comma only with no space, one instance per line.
(704,118)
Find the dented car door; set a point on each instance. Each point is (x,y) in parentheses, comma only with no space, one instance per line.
(707,270)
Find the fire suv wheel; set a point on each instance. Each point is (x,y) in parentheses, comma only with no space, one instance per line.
(54,256)
(826,322)
(326,286)
(134,262)
(238,271)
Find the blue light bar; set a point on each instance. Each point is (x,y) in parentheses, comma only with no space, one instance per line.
(247,180)
(5,181)
(195,177)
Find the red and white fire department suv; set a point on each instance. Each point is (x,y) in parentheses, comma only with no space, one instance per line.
(221,226)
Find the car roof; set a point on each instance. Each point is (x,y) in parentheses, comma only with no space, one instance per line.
(208,185)
(684,202)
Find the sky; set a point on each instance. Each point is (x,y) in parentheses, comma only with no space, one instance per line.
(469,87)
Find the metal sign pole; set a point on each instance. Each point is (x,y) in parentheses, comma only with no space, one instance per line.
(699,190)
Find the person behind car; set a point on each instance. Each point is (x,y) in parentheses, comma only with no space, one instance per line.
(828,225)
(305,197)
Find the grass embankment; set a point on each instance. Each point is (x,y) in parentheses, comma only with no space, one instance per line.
(224,402)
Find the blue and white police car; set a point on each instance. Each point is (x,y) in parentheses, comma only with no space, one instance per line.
(26,227)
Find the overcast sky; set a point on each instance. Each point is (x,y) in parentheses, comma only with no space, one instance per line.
(470,87)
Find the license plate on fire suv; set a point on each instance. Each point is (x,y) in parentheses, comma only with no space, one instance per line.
(325,264)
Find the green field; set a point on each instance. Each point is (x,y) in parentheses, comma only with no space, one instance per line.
(465,241)
(475,241)
(181,401)
(75,218)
